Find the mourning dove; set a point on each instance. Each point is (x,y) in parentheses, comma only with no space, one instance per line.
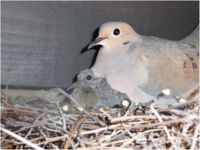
(90,91)
(142,66)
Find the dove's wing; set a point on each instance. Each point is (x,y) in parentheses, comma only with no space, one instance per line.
(168,66)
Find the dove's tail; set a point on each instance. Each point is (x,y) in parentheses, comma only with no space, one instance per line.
(192,39)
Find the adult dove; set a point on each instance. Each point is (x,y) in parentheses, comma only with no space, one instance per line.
(142,66)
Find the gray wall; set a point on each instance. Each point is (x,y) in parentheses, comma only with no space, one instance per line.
(42,41)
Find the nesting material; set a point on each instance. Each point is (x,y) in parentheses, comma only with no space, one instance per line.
(42,124)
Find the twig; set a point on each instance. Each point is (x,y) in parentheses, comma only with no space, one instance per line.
(164,127)
(131,118)
(29,132)
(51,130)
(73,130)
(21,139)
(50,140)
(177,112)
(36,139)
(107,137)
(25,111)
(12,141)
(183,119)
(100,129)
(62,117)
(43,134)
(179,105)
(194,139)
(54,146)
(25,128)
(138,135)
(186,127)
(105,113)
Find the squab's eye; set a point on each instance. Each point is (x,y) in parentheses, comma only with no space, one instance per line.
(116,31)
(89,77)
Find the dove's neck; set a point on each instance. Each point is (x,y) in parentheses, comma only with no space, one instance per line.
(107,63)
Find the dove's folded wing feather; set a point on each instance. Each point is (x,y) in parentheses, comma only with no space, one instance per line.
(168,66)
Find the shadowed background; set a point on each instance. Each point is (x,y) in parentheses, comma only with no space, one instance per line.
(41,42)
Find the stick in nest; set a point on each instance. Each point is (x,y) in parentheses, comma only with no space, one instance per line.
(164,127)
(21,139)
(72,132)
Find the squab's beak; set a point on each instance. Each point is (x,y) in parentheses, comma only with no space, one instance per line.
(96,42)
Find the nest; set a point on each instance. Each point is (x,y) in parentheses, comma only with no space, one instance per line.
(143,126)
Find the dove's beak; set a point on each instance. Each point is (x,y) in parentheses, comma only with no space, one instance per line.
(76,84)
(96,42)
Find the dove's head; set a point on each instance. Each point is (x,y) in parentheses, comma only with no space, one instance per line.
(113,35)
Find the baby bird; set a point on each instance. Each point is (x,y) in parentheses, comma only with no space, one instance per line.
(91,91)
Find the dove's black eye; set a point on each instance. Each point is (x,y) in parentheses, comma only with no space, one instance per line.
(116,31)
(89,77)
